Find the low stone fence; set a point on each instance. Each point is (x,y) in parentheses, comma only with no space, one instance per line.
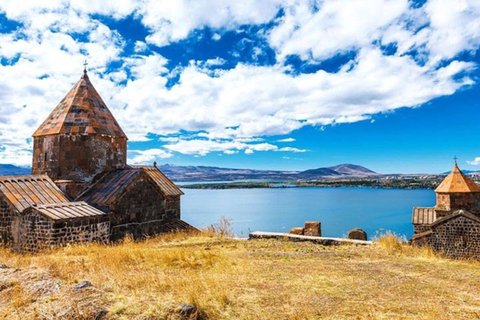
(326,241)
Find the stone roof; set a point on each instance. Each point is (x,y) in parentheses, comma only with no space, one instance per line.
(176,225)
(454,215)
(167,187)
(113,184)
(456,181)
(25,191)
(423,215)
(81,111)
(66,210)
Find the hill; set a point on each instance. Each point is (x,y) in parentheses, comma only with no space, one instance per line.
(352,169)
(204,173)
(225,278)
(11,170)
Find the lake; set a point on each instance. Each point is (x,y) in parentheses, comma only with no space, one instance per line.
(338,209)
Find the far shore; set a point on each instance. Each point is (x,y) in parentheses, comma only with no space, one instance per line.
(415,183)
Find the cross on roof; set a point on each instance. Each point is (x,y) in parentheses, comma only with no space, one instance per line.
(85,66)
(455,159)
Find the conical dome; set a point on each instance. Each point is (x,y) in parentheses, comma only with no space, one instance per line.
(456,181)
(82,111)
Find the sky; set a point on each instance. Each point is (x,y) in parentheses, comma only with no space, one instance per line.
(392,85)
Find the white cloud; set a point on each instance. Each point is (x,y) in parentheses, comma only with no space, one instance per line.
(204,147)
(336,26)
(256,101)
(237,107)
(474,162)
(175,20)
(290,149)
(148,156)
(15,155)
(286,140)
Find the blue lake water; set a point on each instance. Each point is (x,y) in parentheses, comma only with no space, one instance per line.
(338,209)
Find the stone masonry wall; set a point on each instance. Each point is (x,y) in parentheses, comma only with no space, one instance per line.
(56,155)
(141,211)
(458,238)
(6,215)
(420,228)
(33,232)
(447,203)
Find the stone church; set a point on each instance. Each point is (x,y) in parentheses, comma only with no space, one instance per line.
(81,188)
(452,227)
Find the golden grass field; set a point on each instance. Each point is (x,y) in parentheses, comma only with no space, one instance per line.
(238,279)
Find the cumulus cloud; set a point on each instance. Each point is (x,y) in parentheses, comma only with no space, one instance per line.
(286,140)
(231,110)
(330,27)
(474,162)
(147,156)
(203,147)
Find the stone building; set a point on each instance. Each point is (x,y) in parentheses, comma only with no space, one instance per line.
(142,199)
(78,140)
(35,214)
(79,154)
(453,225)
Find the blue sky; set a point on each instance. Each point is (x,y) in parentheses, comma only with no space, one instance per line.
(291,85)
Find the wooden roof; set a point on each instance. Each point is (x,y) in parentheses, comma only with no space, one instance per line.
(67,210)
(25,191)
(113,184)
(457,182)
(423,215)
(81,111)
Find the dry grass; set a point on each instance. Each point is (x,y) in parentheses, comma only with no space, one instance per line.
(238,279)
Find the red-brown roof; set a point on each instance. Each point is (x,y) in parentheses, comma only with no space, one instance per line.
(456,181)
(81,111)
(67,210)
(112,185)
(166,185)
(25,191)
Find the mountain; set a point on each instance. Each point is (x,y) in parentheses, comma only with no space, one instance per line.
(352,169)
(204,173)
(338,171)
(11,170)
(320,172)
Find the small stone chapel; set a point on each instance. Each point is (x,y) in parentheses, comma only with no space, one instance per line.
(81,188)
(452,227)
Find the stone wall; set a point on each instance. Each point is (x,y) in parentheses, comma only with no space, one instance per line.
(33,232)
(6,215)
(57,155)
(420,228)
(458,238)
(449,202)
(142,211)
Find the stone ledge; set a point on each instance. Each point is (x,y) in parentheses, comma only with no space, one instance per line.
(294,237)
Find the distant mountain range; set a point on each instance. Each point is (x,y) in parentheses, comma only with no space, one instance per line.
(203,173)
(11,170)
